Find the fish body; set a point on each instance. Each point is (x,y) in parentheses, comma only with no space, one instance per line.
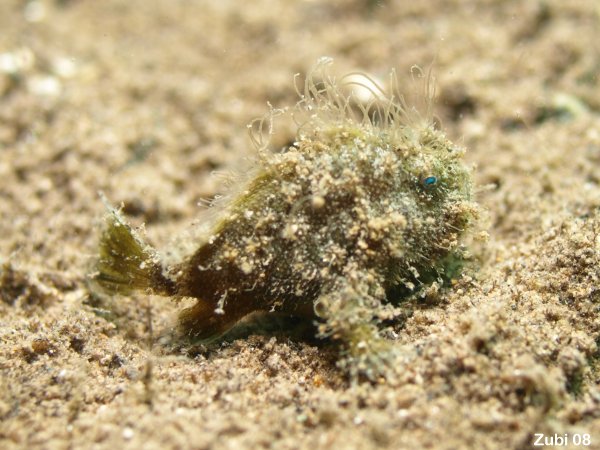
(322,230)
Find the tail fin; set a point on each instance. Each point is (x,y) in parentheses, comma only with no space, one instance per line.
(126,263)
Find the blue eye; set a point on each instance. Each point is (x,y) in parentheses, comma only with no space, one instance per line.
(429,181)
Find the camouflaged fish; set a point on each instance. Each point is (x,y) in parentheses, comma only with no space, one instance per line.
(369,198)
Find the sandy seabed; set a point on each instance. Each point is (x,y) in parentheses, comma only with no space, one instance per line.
(146,100)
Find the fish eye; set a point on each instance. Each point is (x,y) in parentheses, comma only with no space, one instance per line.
(429,181)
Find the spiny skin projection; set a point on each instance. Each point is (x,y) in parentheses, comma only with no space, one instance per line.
(322,231)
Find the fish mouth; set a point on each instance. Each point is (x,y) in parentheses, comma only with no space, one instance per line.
(461,214)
